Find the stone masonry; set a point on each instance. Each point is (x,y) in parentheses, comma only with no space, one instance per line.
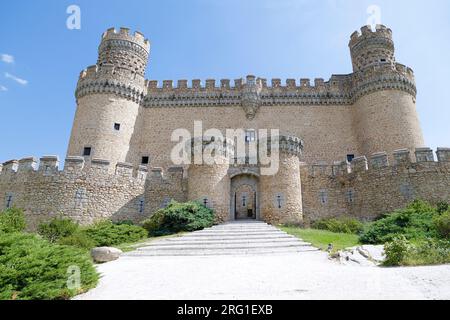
(119,163)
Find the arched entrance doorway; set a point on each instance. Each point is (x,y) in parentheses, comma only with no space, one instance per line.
(244,197)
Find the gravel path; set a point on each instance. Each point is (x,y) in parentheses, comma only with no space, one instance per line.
(276,275)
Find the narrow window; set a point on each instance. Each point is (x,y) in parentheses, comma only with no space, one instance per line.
(350,157)
(166,202)
(117,126)
(350,196)
(79,197)
(9,201)
(323,197)
(279,201)
(141,205)
(244,201)
(145,160)
(87,151)
(205,202)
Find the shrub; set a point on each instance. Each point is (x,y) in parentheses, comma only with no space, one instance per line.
(396,251)
(78,239)
(107,233)
(339,225)
(57,228)
(442,225)
(443,207)
(33,268)
(428,252)
(12,220)
(178,217)
(128,222)
(414,222)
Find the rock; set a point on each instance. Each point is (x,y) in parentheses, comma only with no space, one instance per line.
(105,254)
(375,253)
(362,256)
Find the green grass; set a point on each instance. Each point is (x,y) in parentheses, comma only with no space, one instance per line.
(320,238)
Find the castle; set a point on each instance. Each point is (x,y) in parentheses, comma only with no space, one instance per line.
(351,145)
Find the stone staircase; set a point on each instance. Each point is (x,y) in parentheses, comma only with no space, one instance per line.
(235,238)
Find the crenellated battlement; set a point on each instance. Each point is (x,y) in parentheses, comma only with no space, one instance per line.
(73,167)
(366,32)
(424,161)
(307,85)
(123,58)
(124,35)
(173,174)
(338,90)
(372,48)
(111,80)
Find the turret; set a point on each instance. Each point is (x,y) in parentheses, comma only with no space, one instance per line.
(384,93)
(108,96)
(371,48)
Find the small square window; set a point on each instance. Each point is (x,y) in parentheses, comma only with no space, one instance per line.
(350,157)
(87,151)
(117,126)
(145,160)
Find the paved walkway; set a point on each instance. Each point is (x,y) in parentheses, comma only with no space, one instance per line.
(255,261)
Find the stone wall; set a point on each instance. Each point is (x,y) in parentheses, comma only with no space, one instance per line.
(368,188)
(83,193)
(164,186)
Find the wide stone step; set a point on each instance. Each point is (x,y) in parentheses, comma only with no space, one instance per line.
(238,238)
(234,233)
(220,246)
(238,227)
(219,252)
(232,238)
(222,241)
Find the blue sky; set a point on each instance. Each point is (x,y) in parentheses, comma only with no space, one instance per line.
(40,59)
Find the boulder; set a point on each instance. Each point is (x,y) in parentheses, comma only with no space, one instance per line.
(105,254)
(362,256)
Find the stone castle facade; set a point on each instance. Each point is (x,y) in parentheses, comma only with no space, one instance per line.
(351,145)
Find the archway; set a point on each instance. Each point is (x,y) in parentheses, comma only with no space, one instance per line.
(244,197)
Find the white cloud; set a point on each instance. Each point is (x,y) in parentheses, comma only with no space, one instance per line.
(16,79)
(6,58)
(3,88)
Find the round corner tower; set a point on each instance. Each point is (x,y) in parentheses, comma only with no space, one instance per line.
(108,97)
(281,192)
(385,116)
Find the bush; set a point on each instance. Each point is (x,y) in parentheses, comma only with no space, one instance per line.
(128,222)
(78,239)
(178,217)
(396,251)
(12,220)
(339,225)
(107,233)
(442,225)
(428,252)
(57,228)
(33,268)
(414,222)
(443,207)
